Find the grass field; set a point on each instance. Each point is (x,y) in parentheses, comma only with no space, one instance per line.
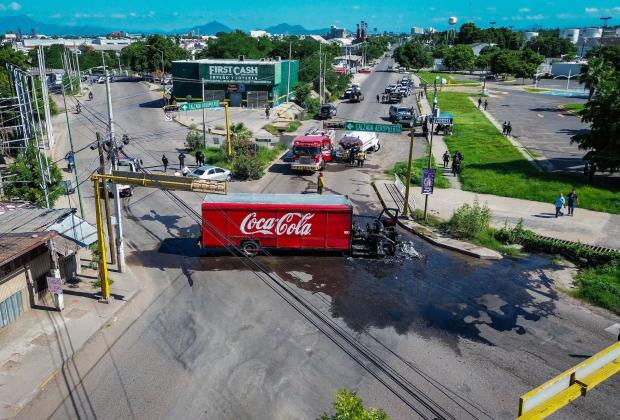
(429,77)
(600,286)
(494,166)
(573,107)
(400,169)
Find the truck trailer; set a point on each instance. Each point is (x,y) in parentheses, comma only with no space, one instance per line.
(252,222)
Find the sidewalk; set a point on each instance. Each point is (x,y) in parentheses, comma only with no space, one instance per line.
(590,227)
(439,145)
(36,346)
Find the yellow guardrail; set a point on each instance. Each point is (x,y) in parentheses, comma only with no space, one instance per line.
(571,384)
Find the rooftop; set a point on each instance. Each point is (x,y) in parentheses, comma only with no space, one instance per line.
(230,61)
(13,245)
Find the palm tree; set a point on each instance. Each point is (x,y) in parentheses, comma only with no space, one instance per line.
(592,74)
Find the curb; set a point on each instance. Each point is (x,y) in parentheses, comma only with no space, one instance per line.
(429,235)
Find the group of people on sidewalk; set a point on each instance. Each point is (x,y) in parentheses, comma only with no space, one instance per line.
(570,201)
(485,103)
(456,161)
(506,128)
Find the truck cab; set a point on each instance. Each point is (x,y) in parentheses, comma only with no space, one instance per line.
(312,150)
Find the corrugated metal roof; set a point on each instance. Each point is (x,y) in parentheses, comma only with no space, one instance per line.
(76,229)
(12,245)
(302,199)
(30,220)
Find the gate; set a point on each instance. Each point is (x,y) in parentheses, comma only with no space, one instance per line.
(257,99)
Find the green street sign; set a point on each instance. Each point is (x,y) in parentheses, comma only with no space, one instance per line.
(372,127)
(192,106)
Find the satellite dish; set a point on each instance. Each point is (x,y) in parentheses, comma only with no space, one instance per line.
(452,20)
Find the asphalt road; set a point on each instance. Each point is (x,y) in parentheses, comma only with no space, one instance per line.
(444,336)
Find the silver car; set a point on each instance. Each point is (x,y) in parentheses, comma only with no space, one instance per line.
(211,173)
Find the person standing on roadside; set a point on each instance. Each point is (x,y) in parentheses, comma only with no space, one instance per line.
(378,98)
(181,160)
(572,201)
(479,102)
(486,104)
(361,157)
(559,203)
(200,158)
(446,159)
(320,184)
(267,111)
(504,128)
(164,161)
(508,129)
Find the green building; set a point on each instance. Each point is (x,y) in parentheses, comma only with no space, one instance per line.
(251,83)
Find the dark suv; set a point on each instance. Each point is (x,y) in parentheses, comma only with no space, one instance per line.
(327,111)
(402,115)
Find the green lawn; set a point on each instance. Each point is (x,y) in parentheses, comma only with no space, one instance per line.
(493,166)
(429,77)
(573,107)
(600,286)
(400,169)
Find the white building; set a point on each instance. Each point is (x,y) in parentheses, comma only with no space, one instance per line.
(530,35)
(591,33)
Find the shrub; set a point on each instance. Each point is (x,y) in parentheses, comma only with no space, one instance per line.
(194,139)
(470,221)
(349,406)
(246,166)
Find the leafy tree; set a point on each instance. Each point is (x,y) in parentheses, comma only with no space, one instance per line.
(551,45)
(349,406)
(413,54)
(602,111)
(302,92)
(468,34)
(594,72)
(194,139)
(25,176)
(459,57)
(147,56)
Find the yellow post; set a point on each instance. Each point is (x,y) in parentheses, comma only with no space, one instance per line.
(103,265)
(408,181)
(227,130)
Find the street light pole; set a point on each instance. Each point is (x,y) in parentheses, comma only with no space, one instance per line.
(430,150)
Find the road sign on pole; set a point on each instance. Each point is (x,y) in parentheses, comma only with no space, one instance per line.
(192,106)
(372,127)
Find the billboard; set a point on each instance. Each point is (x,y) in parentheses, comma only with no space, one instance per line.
(238,73)
(428,181)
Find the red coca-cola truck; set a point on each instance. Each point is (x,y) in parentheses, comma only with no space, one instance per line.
(251,222)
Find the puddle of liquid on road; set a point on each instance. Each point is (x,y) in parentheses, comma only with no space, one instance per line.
(424,290)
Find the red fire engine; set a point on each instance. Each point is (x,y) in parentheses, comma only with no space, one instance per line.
(312,150)
(251,222)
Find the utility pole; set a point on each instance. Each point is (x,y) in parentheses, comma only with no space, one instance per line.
(120,248)
(75,168)
(408,182)
(106,200)
(288,83)
(430,150)
(320,75)
(204,125)
(46,98)
(77,65)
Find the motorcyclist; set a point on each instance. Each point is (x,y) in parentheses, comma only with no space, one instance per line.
(78,108)
(70,157)
(90,95)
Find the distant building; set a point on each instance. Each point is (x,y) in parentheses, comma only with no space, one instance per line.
(259,34)
(335,32)
(250,83)
(417,31)
(571,34)
(317,38)
(591,33)
(530,35)
(478,47)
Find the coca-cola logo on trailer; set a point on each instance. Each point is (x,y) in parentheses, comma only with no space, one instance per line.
(287,224)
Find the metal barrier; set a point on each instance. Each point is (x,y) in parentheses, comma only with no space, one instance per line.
(575,382)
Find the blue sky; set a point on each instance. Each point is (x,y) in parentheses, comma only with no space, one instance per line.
(245,14)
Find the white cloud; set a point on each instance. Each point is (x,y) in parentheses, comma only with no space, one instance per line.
(81,15)
(524,10)
(565,16)
(356,7)
(118,16)
(591,9)
(15,6)
(432,8)
(537,17)
(605,10)
(132,14)
(56,16)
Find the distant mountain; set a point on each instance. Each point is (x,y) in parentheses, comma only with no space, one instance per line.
(23,22)
(210,28)
(286,29)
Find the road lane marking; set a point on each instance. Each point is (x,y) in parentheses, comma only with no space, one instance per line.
(540,115)
(561,116)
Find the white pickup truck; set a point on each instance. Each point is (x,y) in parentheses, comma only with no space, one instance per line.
(129,164)
(367,142)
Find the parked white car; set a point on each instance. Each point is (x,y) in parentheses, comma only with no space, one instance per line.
(211,173)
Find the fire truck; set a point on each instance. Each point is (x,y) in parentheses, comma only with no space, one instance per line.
(253,222)
(313,149)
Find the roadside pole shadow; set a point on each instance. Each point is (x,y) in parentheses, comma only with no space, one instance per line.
(545,215)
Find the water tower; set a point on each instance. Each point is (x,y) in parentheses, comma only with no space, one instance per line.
(452,22)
